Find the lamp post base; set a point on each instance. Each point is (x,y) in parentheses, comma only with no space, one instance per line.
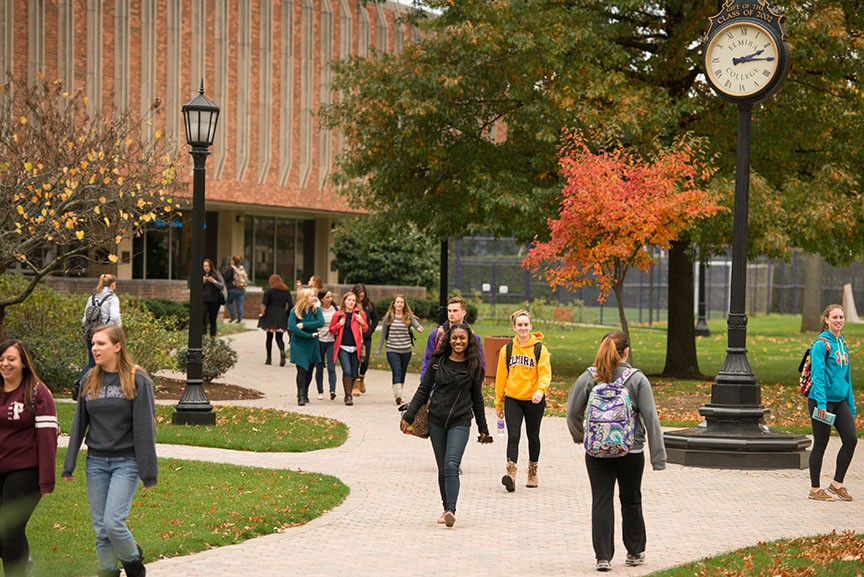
(734,438)
(193,418)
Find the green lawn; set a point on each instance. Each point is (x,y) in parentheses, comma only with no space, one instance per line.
(832,555)
(243,429)
(195,506)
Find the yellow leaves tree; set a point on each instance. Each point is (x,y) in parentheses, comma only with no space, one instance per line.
(71,182)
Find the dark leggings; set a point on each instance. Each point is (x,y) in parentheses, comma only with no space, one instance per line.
(845,425)
(211,311)
(19,495)
(280,343)
(304,378)
(367,348)
(603,474)
(514,412)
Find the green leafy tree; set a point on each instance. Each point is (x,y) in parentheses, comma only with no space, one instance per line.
(367,250)
(459,132)
(70,182)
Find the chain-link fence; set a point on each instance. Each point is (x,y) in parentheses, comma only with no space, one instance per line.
(490,270)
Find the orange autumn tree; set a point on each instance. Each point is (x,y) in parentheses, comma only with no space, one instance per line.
(614,207)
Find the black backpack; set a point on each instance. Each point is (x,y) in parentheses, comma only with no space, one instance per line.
(92,318)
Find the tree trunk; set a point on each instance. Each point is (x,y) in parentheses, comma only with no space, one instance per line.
(681,360)
(811,314)
(622,317)
(3,336)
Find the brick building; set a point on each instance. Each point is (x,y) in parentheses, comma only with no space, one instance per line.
(266,63)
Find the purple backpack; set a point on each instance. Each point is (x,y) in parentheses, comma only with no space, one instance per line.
(610,418)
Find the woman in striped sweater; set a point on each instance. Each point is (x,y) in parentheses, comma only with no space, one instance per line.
(397,333)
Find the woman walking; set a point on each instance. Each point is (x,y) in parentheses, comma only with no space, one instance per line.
(368,308)
(326,341)
(214,285)
(273,317)
(454,381)
(116,415)
(347,325)
(610,366)
(524,373)
(103,308)
(397,333)
(237,279)
(28,450)
(304,321)
(831,392)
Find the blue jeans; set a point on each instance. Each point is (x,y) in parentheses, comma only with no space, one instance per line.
(326,360)
(350,363)
(449,446)
(111,485)
(235,295)
(398,365)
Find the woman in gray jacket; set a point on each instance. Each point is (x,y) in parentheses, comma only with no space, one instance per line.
(604,471)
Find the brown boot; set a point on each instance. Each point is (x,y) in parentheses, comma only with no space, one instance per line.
(347,385)
(532,474)
(509,480)
(361,382)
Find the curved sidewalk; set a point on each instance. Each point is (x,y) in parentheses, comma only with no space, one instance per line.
(387,524)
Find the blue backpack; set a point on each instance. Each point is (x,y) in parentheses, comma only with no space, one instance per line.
(610,418)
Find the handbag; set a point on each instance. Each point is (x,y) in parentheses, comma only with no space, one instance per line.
(421,422)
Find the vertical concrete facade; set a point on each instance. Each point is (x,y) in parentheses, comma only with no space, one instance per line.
(266,63)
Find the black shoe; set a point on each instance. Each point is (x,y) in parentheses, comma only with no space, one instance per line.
(332,395)
(282,361)
(269,361)
(301,401)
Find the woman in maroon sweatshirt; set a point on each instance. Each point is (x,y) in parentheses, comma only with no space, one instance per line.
(28,448)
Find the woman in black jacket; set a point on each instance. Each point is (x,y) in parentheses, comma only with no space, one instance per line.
(213,295)
(453,386)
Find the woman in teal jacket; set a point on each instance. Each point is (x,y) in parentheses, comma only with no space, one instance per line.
(831,392)
(303,324)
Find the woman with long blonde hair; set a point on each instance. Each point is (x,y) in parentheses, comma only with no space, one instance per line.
(116,415)
(303,322)
(397,331)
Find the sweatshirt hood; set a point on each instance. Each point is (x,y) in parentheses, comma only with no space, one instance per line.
(533,338)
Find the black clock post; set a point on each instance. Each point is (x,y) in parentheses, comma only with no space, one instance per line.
(746,60)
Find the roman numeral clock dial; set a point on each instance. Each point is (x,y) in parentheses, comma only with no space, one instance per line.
(745,59)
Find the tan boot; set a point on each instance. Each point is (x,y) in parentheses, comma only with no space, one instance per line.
(532,474)
(347,385)
(361,380)
(509,480)
(358,383)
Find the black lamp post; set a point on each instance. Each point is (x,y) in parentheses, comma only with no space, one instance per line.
(200,116)
(702,329)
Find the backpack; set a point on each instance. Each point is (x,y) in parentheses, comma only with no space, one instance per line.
(241,280)
(538,346)
(805,366)
(610,418)
(93,317)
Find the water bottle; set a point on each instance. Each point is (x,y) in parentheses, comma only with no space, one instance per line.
(500,427)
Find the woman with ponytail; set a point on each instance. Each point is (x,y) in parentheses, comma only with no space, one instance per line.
(109,309)
(611,364)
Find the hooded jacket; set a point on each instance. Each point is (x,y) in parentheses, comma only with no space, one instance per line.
(355,328)
(830,371)
(526,374)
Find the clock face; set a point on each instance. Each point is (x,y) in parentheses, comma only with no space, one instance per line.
(741,60)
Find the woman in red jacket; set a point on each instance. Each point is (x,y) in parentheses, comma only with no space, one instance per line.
(28,448)
(349,343)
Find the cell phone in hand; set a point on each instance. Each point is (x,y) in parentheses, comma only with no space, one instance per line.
(829,417)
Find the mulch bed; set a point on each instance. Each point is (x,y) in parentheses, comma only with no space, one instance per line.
(172,389)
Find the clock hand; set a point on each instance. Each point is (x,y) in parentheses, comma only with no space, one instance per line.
(748,58)
(769,59)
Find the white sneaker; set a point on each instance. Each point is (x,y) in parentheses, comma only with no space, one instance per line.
(320,396)
(603,565)
(635,560)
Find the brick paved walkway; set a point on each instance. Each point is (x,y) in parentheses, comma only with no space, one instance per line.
(387,524)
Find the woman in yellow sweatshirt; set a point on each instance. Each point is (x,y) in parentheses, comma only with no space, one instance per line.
(523,375)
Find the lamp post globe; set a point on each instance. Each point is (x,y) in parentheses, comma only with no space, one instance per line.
(200,116)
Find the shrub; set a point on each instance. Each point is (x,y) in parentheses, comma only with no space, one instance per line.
(151,340)
(50,324)
(219,358)
(471,317)
(175,313)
